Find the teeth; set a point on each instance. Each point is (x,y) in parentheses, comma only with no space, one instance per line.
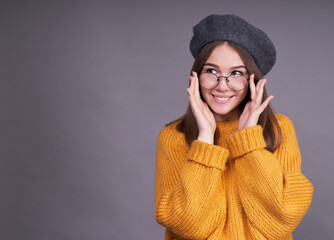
(222,99)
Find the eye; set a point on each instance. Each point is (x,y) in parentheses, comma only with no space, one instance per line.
(237,73)
(211,70)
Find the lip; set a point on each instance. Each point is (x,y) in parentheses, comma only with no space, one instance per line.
(222,96)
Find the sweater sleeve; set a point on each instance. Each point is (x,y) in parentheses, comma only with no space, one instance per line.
(190,200)
(275,195)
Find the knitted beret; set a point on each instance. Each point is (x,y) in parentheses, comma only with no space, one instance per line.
(234,29)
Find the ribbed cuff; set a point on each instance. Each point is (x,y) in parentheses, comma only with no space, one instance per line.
(245,141)
(208,154)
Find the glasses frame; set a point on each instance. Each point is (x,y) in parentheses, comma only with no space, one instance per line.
(226,80)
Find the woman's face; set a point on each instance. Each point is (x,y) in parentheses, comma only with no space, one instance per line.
(222,100)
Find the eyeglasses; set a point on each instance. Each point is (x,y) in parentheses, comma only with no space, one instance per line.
(236,81)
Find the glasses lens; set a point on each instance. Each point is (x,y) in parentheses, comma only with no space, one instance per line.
(237,82)
(208,80)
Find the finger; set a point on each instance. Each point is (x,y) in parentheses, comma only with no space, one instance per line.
(206,107)
(190,96)
(246,107)
(197,94)
(194,101)
(265,104)
(189,81)
(258,85)
(188,91)
(192,104)
(252,87)
(245,112)
(192,84)
(260,91)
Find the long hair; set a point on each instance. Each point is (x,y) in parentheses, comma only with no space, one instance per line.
(271,130)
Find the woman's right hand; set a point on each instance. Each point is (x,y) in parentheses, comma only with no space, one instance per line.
(205,119)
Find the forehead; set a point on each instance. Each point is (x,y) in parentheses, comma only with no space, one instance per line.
(225,57)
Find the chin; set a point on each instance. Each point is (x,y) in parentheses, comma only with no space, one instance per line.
(226,114)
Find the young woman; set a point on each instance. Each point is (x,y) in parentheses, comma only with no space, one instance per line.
(230,168)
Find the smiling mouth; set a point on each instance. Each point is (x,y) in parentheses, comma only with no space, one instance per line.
(222,98)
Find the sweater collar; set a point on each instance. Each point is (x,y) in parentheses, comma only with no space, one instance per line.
(227,127)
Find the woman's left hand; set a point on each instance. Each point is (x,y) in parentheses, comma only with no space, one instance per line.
(255,106)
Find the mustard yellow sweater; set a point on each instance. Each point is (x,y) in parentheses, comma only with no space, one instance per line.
(233,190)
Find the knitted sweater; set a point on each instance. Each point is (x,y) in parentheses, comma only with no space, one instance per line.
(233,190)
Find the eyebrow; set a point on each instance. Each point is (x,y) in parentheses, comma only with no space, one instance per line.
(214,65)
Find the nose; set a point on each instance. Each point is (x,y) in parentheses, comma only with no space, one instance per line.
(222,84)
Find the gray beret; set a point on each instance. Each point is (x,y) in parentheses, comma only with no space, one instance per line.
(234,29)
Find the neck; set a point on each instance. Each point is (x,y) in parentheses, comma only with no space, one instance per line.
(231,116)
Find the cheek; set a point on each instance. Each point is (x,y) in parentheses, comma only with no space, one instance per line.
(205,93)
(242,95)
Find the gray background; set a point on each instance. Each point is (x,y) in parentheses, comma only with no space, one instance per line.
(86,86)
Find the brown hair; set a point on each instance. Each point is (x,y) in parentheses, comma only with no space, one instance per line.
(271,130)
